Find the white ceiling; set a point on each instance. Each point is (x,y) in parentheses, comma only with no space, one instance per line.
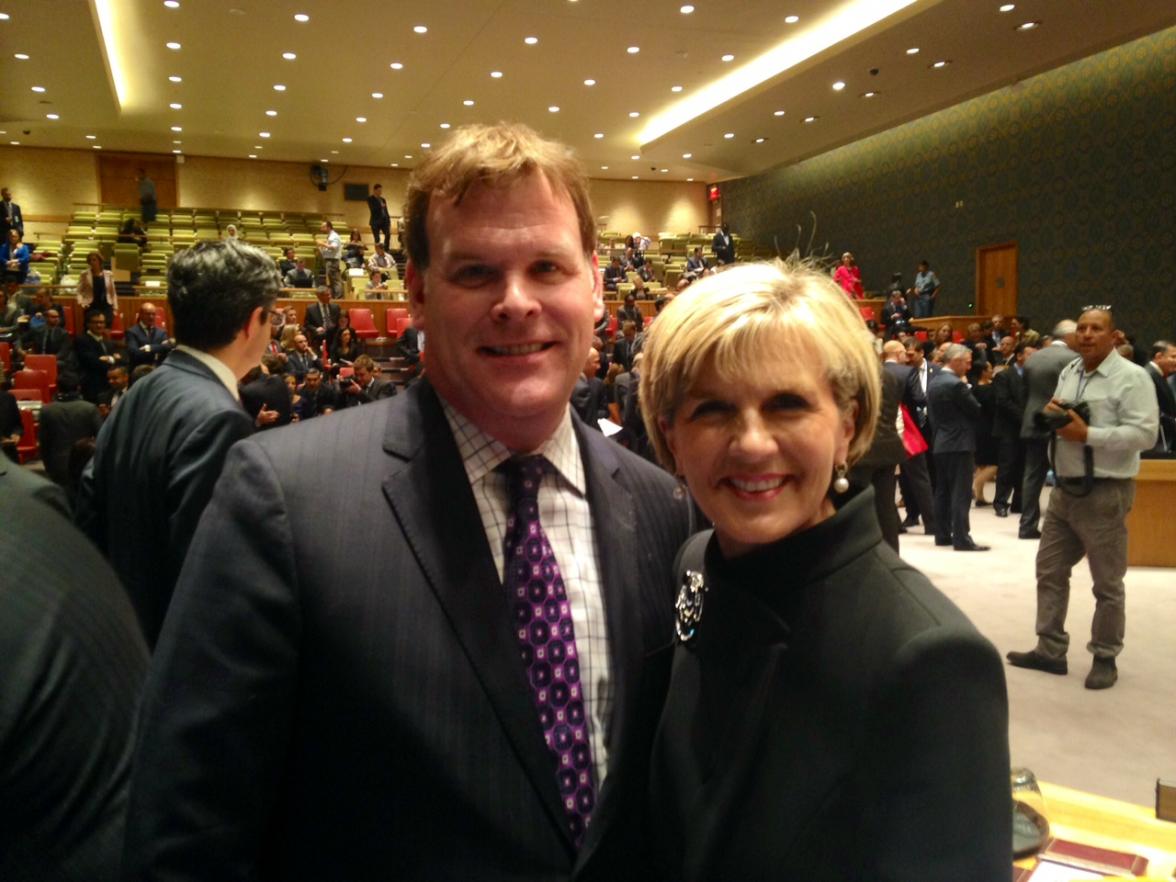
(231,57)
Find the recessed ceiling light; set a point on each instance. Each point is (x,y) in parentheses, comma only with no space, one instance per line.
(346,140)
(939,64)
(469,102)
(635,156)
(1028,25)
(419,29)
(4,16)
(174,46)
(760,140)
(809,119)
(177,150)
(38,89)
(496,74)
(172,4)
(289,56)
(636,177)
(589,82)
(257,147)
(728,135)
(687,155)
(553,108)
(177,128)
(425,145)
(334,152)
(778,113)
(914,50)
(663,170)
(52,116)
(253,156)
(20,56)
(91,137)
(271,113)
(633,114)
(838,86)
(687,9)
(361,119)
(278,87)
(396,65)
(96,146)
(377,95)
(263,134)
(690,180)
(1008,7)
(175,105)
(175,79)
(728,57)
(444,125)
(395,164)
(17,144)
(301,17)
(791,19)
(598,136)
(604,168)
(177,143)
(530,41)
(324,160)
(408,156)
(675,88)
(633,50)
(870,94)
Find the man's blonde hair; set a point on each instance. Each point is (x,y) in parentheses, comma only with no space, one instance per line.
(493,156)
(735,322)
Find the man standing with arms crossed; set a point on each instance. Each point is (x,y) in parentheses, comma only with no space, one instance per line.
(1096,465)
(379,219)
(456,675)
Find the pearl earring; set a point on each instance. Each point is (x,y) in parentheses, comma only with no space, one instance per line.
(840,482)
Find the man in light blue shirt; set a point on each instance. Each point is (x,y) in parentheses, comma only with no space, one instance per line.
(926,291)
(1095,464)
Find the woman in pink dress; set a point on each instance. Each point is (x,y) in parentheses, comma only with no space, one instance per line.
(849,277)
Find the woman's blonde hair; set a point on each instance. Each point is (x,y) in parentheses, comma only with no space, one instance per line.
(732,322)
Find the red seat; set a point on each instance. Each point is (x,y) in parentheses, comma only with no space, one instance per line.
(391,314)
(921,336)
(402,323)
(26,394)
(26,447)
(46,363)
(345,372)
(867,313)
(648,320)
(613,324)
(957,336)
(6,356)
(27,379)
(117,332)
(362,324)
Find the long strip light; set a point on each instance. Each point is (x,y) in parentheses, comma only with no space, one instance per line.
(104,14)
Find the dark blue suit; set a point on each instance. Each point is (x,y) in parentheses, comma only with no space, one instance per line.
(156,338)
(955,413)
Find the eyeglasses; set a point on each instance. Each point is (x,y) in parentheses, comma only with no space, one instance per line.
(1102,307)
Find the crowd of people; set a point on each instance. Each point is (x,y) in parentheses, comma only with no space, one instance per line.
(462,634)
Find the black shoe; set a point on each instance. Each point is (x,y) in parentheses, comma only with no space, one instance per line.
(911,522)
(901,529)
(1015,509)
(1037,662)
(943,542)
(1103,673)
(1001,511)
(982,503)
(970,546)
(1029,534)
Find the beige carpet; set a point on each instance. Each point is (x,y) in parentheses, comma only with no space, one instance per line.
(1114,742)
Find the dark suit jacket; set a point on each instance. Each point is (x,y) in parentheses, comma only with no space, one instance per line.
(887,448)
(1008,391)
(337,693)
(50,341)
(315,320)
(273,393)
(623,352)
(298,363)
(159,455)
(954,412)
(311,404)
(1167,403)
(93,370)
(835,718)
(63,424)
(377,390)
(1042,369)
(377,211)
(17,220)
(137,338)
(723,247)
(589,401)
(913,396)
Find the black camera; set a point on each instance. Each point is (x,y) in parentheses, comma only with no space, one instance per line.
(1048,421)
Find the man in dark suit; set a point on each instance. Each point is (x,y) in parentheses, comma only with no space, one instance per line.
(118,379)
(1160,368)
(955,414)
(1008,394)
(379,219)
(48,337)
(96,355)
(316,396)
(915,476)
(353,683)
(365,386)
(322,318)
(147,343)
(1041,378)
(161,451)
(723,245)
(301,358)
(876,467)
(625,348)
(10,216)
(64,422)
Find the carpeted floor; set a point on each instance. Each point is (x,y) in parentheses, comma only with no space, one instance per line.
(1114,742)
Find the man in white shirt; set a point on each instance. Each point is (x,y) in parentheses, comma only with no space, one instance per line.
(161,450)
(1096,464)
(331,249)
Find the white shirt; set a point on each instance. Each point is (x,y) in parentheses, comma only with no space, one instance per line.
(215,365)
(334,246)
(567,520)
(1124,417)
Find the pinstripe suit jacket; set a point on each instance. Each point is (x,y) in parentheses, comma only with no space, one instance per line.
(337,693)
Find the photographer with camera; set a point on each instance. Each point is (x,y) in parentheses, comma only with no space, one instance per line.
(1103,413)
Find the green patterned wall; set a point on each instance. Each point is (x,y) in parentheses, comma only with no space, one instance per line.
(1077,166)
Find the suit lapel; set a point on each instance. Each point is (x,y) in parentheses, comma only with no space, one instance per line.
(435,508)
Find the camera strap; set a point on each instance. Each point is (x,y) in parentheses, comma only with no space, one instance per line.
(1085,484)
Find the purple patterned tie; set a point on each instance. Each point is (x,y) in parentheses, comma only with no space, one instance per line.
(547,643)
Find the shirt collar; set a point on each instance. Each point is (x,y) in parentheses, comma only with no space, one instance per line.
(1107,365)
(481,453)
(214,364)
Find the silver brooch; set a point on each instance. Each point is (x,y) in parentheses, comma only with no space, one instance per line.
(689,606)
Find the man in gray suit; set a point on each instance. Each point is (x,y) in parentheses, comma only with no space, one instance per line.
(161,451)
(422,639)
(955,414)
(1040,379)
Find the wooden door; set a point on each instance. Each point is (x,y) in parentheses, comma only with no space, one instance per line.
(118,177)
(996,279)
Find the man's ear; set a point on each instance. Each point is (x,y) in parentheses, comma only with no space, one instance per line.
(414,282)
(597,291)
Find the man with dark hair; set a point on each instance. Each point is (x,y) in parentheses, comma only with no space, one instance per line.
(1008,395)
(366,386)
(322,318)
(954,414)
(147,343)
(161,451)
(288,262)
(1160,368)
(723,245)
(96,356)
(379,219)
(118,378)
(64,422)
(300,276)
(10,216)
(1096,463)
(362,674)
(625,348)
(317,396)
(925,292)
